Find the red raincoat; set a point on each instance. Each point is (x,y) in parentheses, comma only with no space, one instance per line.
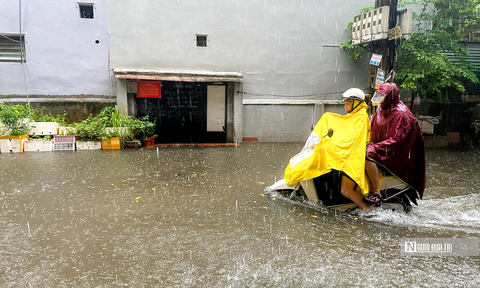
(397,140)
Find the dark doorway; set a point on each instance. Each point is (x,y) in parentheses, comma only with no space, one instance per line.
(181,113)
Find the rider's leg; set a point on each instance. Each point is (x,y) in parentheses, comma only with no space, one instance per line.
(372,173)
(348,190)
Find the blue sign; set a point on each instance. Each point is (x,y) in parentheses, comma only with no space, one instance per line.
(375,60)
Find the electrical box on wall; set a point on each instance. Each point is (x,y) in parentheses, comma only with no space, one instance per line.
(370,26)
(404,20)
(373,25)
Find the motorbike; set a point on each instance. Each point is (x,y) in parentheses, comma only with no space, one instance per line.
(325,190)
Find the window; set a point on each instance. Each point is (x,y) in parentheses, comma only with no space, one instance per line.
(379,21)
(201,40)
(86,10)
(12,48)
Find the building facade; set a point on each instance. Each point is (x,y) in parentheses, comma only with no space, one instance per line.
(207,71)
(65,63)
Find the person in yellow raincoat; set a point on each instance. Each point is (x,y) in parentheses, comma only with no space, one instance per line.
(344,151)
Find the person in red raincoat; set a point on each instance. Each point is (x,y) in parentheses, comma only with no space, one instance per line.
(396,142)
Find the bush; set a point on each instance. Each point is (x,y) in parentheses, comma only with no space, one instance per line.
(15,118)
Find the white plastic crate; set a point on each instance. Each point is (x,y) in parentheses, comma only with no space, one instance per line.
(11,145)
(63,146)
(426,127)
(64,139)
(89,145)
(43,128)
(37,146)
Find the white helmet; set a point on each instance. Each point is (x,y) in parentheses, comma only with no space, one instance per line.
(354,93)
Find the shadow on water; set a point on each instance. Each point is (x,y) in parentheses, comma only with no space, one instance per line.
(198,217)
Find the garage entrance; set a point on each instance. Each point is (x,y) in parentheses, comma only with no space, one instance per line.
(187,112)
(189,107)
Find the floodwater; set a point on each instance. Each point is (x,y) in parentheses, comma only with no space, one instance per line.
(198,217)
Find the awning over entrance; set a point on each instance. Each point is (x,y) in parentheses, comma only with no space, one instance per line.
(179,75)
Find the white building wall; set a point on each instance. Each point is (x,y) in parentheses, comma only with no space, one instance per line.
(284,49)
(62,58)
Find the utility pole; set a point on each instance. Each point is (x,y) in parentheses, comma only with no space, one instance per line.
(384,47)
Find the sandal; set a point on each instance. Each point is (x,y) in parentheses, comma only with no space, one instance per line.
(372,199)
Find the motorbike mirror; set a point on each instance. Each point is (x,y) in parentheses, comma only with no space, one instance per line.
(329,133)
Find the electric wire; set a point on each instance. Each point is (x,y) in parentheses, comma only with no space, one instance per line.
(294,96)
(22,49)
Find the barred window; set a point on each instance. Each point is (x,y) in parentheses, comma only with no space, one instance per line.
(201,40)
(86,10)
(12,48)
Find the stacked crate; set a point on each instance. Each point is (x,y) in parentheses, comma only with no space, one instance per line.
(40,129)
(64,143)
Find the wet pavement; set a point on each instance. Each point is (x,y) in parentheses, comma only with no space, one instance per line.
(198,217)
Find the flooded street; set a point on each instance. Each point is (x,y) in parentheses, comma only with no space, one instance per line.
(198,217)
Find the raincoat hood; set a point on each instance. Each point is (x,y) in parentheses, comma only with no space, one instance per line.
(392,96)
(344,151)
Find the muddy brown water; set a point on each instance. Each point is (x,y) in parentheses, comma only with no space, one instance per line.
(199,217)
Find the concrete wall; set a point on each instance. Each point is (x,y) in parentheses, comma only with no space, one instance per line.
(63,59)
(289,122)
(284,49)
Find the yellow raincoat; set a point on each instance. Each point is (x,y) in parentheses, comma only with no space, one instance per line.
(344,151)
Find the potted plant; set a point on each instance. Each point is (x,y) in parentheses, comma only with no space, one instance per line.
(140,128)
(147,132)
(115,124)
(89,132)
(15,127)
(111,141)
(132,143)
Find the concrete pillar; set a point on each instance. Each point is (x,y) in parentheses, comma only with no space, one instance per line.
(238,112)
(122,101)
(230,111)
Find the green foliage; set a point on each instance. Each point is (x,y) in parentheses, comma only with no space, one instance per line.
(111,122)
(38,117)
(476,123)
(40,138)
(143,128)
(113,117)
(89,129)
(423,65)
(356,51)
(15,119)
